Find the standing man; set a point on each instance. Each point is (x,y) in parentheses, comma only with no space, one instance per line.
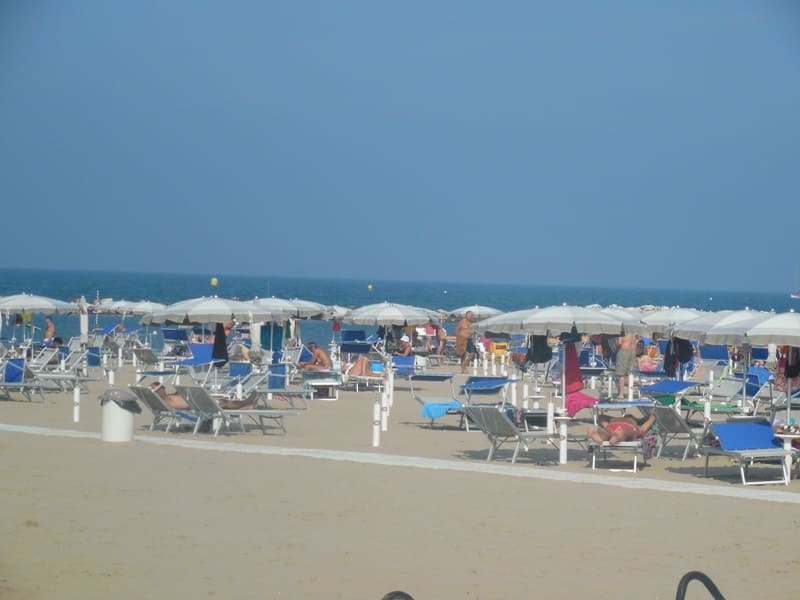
(626,361)
(49,332)
(465,347)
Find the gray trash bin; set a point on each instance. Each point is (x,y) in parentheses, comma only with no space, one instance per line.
(119,406)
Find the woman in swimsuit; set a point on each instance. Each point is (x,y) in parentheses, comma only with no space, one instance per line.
(361,366)
(619,429)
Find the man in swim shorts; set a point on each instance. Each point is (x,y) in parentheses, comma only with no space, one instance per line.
(626,361)
(465,347)
(620,429)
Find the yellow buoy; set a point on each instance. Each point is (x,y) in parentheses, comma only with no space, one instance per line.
(369,287)
(214,282)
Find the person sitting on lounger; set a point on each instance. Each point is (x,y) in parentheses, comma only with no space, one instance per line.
(362,366)
(404,347)
(177,402)
(619,429)
(320,359)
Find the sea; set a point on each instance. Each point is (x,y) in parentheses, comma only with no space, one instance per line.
(172,287)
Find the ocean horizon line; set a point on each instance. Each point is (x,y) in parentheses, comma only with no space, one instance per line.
(366,280)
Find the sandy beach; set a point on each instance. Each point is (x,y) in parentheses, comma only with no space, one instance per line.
(319,512)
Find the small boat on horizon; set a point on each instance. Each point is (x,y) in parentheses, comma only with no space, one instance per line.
(795,295)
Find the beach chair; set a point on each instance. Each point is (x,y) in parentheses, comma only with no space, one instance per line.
(635,447)
(746,443)
(160,410)
(322,384)
(435,407)
(404,366)
(670,426)
(477,389)
(201,357)
(46,358)
(278,387)
(207,407)
(499,429)
(17,377)
(146,358)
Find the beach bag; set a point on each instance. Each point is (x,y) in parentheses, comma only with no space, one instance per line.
(650,445)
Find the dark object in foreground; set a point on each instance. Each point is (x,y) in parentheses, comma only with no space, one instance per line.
(704,579)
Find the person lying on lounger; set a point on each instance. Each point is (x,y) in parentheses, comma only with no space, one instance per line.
(620,429)
(361,366)
(176,401)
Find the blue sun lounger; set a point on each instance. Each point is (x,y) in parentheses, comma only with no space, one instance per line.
(435,407)
(745,443)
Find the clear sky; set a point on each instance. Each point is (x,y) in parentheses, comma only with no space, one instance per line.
(618,143)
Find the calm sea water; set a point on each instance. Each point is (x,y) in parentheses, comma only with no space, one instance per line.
(160,287)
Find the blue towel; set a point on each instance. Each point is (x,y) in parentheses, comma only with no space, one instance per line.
(434,410)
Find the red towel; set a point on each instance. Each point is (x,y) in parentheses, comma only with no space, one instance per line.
(572,371)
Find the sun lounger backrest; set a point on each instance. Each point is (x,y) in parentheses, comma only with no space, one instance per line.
(745,436)
(491,420)
(711,352)
(355,348)
(353,335)
(149,398)
(239,370)
(14,370)
(201,355)
(404,365)
(670,421)
(174,334)
(199,398)
(277,377)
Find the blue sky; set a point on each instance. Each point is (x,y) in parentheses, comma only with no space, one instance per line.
(620,143)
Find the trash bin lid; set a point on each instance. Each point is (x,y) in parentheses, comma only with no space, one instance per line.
(124,398)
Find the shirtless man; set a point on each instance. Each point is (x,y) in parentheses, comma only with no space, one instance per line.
(441,340)
(49,331)
(465,347)
(320,359)
(619,429)
(626,361)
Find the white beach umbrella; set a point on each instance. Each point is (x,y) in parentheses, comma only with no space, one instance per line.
(145,307)
(479,312)
(696,329)
(337,312)
(277,305)
(31,303)
(307,309)
(122,307)
(210,310)
(661,321)
(733,333)
(510,322)
(782,329)
(561,318)
(388,313)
